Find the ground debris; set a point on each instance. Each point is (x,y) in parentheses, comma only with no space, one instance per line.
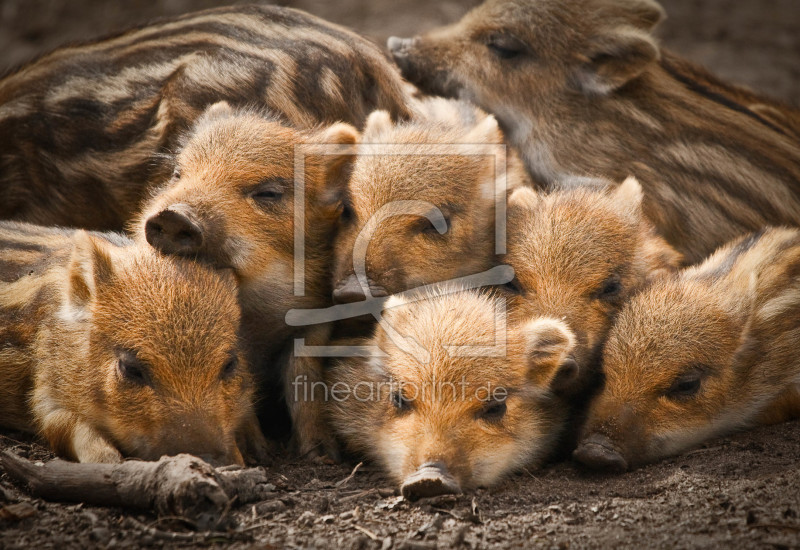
(16,512)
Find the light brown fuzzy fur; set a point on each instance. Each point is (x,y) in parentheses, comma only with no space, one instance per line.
(449,393)
(732,323)
(568,248)
(228,161)
(405,250)
(79,308)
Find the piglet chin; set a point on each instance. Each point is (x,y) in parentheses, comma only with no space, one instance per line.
(430,480)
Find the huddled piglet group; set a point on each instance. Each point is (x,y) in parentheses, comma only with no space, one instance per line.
(506,259)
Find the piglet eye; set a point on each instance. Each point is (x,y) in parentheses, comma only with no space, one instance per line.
(493,411)
(687,385)
(505,46)
(400,402)
(513,286)
(269,191)
(610,289)
(229,369)
(267,195)
(133,370)
(426,227)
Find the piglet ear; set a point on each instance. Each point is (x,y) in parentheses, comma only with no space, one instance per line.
(524,198)
(338,162)
(90,267)
(745,310)
(622,51)
(378,123)
(216,111)
(548,347)
(627,197)
(485,131)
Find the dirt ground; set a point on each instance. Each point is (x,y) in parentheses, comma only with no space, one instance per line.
(738,492)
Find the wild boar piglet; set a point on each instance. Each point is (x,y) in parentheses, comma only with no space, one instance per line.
(453,396)
(112,350)
(578,255)
(421,202)
(698,355)
(582,89)
(87,130)
(233,202)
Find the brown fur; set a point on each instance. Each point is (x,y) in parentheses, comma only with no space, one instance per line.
(405,249)
(447,396)
(87,130)
(727,330)
(235,182)
(110,350)
(584,91)
(578,255)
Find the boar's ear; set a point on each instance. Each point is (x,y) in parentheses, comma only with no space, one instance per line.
(216,111)
(627,198)
(745,310)
(524,198)
(378,123)
(337,164)
(485,131)
(394,301)
(548,344)
(90,266)
(616,57)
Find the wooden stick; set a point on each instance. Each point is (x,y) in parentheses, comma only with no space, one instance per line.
(181,485)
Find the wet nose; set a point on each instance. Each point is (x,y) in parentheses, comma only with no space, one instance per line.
(349,290)
(172,231)
(567,375)
(399,45)
(430,480)
(598,452)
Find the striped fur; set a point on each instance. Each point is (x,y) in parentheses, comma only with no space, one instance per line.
(582,88)
(86,130)
(705,353)
(108,349)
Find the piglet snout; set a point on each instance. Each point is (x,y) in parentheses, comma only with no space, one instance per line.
(172,231)
(430,480)
(598,452)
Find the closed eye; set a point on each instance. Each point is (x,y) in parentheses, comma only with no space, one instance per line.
(346,213)
(687,385)
(426,227)
(270,191)
(514,287)
(610,289)
(229,368)
(493,411)
(400,403)
(506,46)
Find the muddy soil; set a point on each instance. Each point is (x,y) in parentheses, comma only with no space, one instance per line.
(738,492)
